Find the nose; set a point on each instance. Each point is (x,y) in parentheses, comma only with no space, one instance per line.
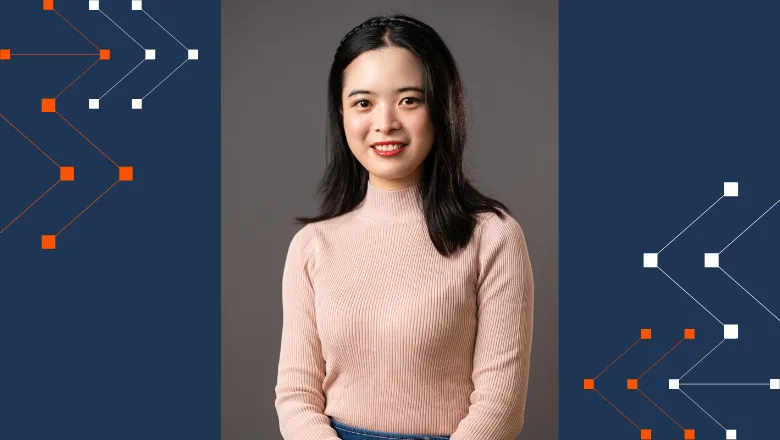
(385,119)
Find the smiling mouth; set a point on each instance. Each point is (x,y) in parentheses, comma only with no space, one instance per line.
(388,147)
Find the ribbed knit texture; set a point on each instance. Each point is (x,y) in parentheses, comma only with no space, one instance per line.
(382,332)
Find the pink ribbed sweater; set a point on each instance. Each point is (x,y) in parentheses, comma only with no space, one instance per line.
(382,332)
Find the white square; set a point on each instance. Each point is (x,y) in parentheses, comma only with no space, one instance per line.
(731,434)
(94,104)
(137,104)
(151,54)
(94,5)
(730,189)
(192,54)
(711,260)
(137,5)
(774,384)
(674,384)
(730,331)
(651,260)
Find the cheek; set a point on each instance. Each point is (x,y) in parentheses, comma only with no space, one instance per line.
(421,125)
(355,126)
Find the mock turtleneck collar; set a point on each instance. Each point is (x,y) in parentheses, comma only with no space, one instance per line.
(401,205)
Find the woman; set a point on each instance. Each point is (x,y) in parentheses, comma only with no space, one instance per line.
(408,302)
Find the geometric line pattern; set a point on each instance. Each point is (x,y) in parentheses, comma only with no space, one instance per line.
(49,105)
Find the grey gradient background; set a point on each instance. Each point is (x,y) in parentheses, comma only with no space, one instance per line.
(276,58)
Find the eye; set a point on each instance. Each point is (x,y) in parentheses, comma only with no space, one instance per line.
(358,102)
(415,100)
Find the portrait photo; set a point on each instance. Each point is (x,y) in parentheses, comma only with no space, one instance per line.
(390,220)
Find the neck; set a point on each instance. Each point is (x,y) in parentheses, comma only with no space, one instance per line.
(392,205)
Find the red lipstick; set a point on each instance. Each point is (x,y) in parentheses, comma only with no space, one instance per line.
(389,152)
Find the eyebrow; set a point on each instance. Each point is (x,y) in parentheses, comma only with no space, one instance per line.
(399,90)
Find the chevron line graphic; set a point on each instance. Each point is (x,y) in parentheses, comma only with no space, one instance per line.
(192,54)
(64,174)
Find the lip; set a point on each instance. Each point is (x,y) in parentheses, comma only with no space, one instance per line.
(389,153)
(387,143)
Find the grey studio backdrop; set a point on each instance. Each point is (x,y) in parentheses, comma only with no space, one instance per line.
(276,57)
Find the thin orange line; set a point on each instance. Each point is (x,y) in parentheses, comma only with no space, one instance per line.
(33,203)
(74,81)
(659,360)
(613,406)
(25,136)
(656,405)
(629,348)
(56,54)
(74,27)
(82,135)
(85,209)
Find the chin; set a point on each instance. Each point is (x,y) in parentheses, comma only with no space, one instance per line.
(396,174)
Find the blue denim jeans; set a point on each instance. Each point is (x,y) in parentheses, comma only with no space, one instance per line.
(347,432)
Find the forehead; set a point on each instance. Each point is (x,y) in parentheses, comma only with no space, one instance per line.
(383,69)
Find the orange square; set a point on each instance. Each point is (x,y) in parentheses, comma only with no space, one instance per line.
(646,434)
(126,174)
(690,333)
(590,384)
(632,384)
(105,54)
(5,54)
(48,241)
(690,434)
(646,333)
(48,5)
(48,105)
(67,174)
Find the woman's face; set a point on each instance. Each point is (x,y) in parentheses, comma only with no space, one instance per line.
(383,100)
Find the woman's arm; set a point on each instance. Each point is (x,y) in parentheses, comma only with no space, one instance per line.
(505,294)
(299,397)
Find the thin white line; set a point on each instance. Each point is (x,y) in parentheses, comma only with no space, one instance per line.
(158,85)
(166,30)
(128,74)
(697,363)
(759,302)
(705,211)
(759,218)
(697,302)
(705,412)
(120,28)
(735,384)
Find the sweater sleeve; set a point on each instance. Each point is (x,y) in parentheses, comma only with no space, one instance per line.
(300,400)
(505,293)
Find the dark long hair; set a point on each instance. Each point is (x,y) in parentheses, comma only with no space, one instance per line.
(450,201)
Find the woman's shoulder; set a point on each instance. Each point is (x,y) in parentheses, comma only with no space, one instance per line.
(303,235)
(499,227)
(493,222)
(311,233)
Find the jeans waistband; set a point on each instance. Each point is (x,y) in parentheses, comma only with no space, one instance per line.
(348,432)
